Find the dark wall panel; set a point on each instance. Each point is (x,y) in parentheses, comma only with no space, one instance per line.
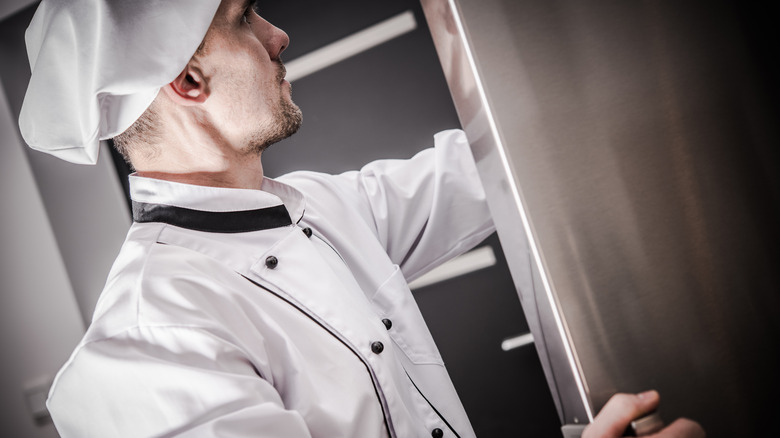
(313,24)
(384,103)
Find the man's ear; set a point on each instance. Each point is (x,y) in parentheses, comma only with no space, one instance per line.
(189,88)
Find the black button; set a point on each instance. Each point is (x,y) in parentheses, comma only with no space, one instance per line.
(271,262)
(307,231)
(387,323)
(437,433)
(377,347)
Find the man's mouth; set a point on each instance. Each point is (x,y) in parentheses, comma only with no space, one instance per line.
(282,72)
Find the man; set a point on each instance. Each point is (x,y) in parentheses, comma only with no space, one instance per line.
(239,305)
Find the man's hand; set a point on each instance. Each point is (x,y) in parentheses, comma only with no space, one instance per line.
(621,409)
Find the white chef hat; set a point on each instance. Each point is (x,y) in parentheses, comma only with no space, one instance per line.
(98,64)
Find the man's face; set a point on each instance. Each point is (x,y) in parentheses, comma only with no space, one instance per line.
(249,99)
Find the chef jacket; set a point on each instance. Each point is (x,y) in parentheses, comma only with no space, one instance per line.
(281,312)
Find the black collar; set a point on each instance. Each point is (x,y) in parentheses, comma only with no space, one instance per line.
(210,221)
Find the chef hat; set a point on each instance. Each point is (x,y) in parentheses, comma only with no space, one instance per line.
(98,64)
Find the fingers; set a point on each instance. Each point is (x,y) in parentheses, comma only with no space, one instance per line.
(619,411)
(681,428)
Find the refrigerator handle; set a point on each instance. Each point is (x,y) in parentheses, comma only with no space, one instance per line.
(649,424)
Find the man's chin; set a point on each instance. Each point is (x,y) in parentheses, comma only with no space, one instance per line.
(292,117)
(288,123)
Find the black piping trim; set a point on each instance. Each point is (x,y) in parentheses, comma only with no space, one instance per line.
(211,221)
(385,415)
(431,405)
(322,239)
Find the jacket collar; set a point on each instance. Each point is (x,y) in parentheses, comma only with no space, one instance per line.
(215,209)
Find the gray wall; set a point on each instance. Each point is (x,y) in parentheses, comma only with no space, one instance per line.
(9,7)
(60,229)
(84,203)
(40,321)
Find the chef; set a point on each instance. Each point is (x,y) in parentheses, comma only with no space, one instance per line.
(243,306)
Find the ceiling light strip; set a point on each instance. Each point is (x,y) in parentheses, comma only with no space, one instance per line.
(517,342)
(350,46)
(471,261)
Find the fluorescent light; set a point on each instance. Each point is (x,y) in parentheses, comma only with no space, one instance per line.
(350,46)
(471,261)
(517,342)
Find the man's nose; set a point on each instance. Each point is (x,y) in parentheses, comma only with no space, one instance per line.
(274,39)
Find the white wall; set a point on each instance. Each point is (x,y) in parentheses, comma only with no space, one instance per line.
(40,322)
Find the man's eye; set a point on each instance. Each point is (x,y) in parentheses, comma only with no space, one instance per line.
(248,12)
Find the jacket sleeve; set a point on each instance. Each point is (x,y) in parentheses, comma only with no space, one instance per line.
(135,384)
(424,211)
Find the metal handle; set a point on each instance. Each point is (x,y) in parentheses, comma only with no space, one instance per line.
(650,423)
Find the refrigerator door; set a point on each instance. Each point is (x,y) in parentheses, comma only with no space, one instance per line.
(629,153)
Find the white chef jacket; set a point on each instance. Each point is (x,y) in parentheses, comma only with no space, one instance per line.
(281,312)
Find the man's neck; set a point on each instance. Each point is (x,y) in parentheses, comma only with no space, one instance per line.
(204,167)
(193,150)
(204,160)
(211,179)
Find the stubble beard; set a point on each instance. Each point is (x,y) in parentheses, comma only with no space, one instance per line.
(286,122)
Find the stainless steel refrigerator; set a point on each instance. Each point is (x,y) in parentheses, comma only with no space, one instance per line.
(629,152)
